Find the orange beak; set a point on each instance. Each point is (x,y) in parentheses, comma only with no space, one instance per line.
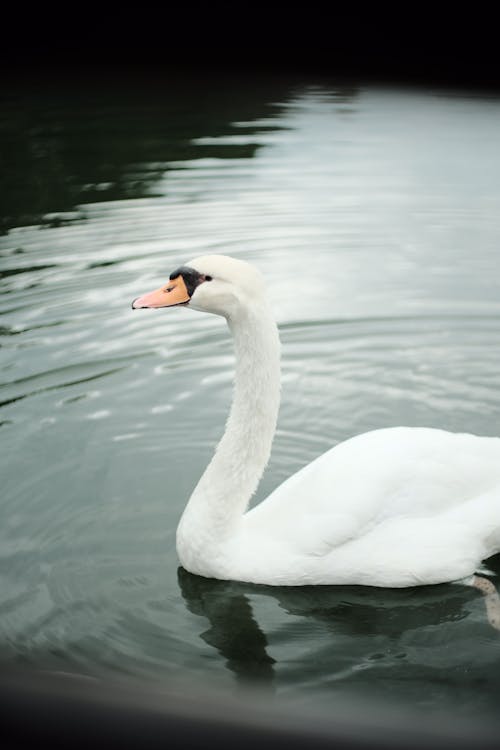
(174,293)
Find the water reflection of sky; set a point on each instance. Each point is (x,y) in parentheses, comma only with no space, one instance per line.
(401,183)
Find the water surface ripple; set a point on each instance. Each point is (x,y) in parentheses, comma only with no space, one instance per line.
(374,215)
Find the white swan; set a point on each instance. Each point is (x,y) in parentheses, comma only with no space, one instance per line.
(394,507)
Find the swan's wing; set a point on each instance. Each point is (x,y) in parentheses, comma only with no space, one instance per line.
(407,473)
(409,551)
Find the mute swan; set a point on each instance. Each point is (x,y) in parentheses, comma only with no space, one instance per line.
(393,507)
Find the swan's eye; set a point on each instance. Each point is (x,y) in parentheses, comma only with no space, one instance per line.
(208,278)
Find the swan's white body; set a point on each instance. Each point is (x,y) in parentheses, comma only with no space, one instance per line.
(393,507)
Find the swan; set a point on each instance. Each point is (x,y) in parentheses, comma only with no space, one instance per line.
(393,507)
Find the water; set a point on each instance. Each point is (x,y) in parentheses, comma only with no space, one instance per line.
(374,214)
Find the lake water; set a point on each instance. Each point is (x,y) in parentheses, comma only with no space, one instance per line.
(374,213)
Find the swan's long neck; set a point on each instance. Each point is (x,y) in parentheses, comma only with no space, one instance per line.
(224,491)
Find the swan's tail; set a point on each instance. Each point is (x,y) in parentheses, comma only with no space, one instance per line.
(483,522)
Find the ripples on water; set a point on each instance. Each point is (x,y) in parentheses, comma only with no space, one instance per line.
(374,215)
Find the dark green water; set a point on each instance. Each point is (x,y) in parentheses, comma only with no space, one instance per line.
(375,215)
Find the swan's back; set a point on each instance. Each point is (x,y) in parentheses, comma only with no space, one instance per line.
(393,471)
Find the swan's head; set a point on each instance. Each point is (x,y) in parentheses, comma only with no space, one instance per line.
(212,283)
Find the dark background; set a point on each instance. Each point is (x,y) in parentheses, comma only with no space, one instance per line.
(413,44)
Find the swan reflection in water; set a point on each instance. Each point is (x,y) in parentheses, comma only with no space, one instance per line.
(422,633)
